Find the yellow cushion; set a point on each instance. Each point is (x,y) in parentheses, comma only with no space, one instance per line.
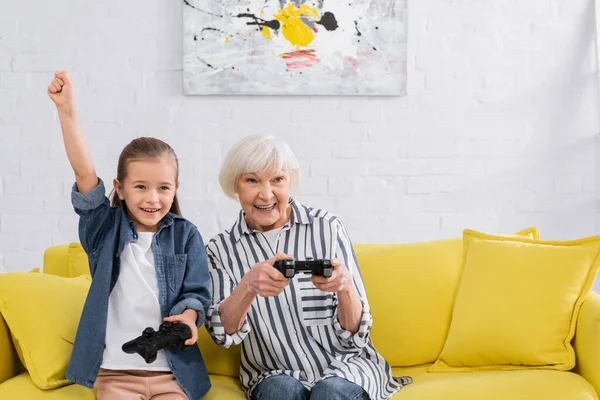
(517,303)
(494,385)
(9,360)
(225,388)
(411,289)
(218,360)
(22,387)
(42,312)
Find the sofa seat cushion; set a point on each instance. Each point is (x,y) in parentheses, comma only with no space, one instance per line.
(494,385)
(225,388)
(22,387)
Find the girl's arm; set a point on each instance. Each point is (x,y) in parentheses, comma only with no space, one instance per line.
(62,93)
(194,296)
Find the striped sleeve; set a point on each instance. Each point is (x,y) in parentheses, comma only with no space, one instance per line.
(344,251)
(221,288)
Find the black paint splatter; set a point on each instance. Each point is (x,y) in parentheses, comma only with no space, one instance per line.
(207,64)
(217,30)
(211,29)
(187,3)
(359,33)
(356,27)
(273,24)
(328,21)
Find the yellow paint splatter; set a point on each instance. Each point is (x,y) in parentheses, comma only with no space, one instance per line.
(266,32)
(293,28)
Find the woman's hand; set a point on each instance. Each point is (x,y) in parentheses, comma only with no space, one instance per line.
(339,281)
(350,307)
(264,280)
(189,318)
(61,89)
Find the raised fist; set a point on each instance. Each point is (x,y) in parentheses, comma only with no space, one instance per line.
(61,89)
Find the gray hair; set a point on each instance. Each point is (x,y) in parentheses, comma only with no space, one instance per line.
(257,153)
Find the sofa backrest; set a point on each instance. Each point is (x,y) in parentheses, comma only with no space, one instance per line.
(66,260)
(411,289)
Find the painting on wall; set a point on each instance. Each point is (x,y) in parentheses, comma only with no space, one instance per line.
(294,47)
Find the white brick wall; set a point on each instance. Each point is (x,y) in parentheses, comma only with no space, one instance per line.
(498,130)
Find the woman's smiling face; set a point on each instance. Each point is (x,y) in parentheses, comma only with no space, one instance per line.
(264,197)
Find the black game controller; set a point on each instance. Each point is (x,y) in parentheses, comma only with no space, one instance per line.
(150,341)
(291,267)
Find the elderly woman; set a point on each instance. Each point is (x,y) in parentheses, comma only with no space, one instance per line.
(304,337)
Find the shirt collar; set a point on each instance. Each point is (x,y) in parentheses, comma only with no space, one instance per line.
(166,221)
(300,215)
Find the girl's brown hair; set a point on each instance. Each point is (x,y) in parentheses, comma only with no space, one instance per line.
(145,148)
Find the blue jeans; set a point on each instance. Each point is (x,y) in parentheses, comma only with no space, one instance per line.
(285,387)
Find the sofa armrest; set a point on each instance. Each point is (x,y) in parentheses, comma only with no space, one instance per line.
(10,365)
(587,341)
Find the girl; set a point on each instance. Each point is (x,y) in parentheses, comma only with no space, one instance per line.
(147,262)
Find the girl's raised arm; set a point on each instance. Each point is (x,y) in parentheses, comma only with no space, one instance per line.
(62,93)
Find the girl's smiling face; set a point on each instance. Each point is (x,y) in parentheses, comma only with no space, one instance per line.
(148,190)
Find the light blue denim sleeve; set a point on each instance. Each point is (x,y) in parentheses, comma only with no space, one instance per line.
(195,291)
(95,219)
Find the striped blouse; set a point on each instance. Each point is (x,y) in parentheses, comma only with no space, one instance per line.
(296,333)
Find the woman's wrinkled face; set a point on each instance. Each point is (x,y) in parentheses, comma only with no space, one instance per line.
(264,197)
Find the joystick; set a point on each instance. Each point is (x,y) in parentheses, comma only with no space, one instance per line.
(150,341)
(291,267)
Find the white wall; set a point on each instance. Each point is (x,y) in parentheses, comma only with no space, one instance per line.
(498,130)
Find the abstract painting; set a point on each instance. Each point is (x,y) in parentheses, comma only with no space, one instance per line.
(294,47)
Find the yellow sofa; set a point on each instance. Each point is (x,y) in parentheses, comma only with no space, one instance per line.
(411,289)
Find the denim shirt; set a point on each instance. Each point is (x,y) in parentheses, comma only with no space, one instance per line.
(183,283)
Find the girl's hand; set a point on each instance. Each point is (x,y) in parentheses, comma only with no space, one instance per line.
(61,89)
(189,318)
(339,281)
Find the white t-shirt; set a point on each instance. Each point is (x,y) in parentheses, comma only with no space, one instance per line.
(133,306)
(272,236)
